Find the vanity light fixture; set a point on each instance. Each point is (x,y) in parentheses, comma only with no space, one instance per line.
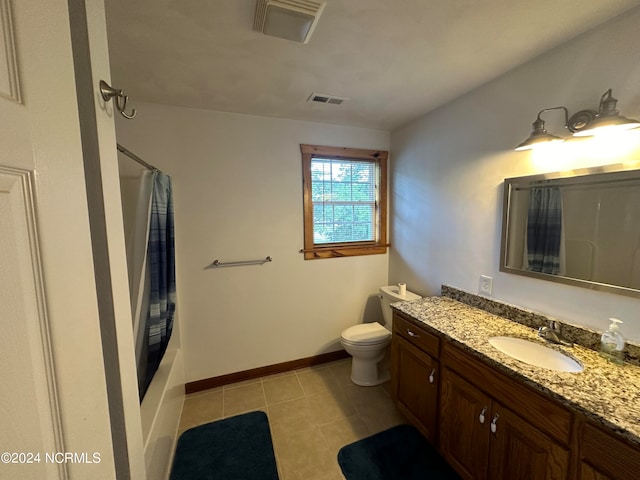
(581,124)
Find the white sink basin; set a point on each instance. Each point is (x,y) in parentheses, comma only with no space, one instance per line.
(535,354)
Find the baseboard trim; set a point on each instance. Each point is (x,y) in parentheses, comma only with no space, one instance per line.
(213,382)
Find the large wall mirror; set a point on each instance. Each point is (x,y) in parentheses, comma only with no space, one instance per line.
(580,227)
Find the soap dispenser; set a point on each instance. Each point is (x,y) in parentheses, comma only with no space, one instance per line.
(612,343)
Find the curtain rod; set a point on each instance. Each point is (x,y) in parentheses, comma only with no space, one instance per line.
(134,157)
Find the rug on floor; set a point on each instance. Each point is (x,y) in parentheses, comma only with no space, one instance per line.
(399,453)
(238,447)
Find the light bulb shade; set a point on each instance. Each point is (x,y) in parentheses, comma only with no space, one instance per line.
(537,140)
(606,124)
(607,119)
(539,136)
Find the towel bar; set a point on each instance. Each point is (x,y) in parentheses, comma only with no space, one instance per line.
(218,263)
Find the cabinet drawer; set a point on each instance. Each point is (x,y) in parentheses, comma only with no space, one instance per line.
(416,335)
(530,405)
(609,454)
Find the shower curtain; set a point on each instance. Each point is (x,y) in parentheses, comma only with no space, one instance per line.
(151,263)
(544,230)
(161,260)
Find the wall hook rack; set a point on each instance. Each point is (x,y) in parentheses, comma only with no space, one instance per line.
(119,98)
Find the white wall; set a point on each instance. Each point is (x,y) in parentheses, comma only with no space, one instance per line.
(449,167)
(238,196)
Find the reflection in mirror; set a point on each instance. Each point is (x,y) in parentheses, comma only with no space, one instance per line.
(580,227)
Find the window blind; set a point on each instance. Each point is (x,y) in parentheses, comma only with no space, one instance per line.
(344,199)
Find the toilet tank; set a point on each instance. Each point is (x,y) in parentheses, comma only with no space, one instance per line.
(391,294)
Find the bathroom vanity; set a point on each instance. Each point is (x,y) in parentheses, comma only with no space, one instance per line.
(493,417)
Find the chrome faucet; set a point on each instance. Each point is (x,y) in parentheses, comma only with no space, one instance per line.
(552,334)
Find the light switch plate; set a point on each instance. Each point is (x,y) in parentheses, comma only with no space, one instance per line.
(486,285)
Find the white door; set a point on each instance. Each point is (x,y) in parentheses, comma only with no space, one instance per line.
(56,412)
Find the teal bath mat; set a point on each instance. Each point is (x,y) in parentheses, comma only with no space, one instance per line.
(400,453)
(236,448)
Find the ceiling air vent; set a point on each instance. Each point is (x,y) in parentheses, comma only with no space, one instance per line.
(322,98)
(291,19)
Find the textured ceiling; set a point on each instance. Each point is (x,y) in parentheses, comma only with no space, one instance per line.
(394,59)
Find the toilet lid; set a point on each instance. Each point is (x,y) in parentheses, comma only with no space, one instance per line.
(366,333)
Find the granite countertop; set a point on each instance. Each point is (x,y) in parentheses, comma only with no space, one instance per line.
(606,393)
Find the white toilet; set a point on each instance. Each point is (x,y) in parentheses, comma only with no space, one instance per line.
(367,343)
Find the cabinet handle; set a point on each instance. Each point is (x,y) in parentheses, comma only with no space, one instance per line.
(494,427)
(431,376)
(411,334)
(481,417)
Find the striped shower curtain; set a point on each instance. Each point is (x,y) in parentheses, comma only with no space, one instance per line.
(544,230)
(161,262)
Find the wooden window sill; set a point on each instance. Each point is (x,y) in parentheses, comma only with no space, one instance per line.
(336,251)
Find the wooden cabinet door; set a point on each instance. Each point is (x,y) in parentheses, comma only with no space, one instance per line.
(604,456)
(464,426)
(589,472)
(520,451)
(415,386)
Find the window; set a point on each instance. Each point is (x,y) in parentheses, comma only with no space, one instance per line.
(345,201)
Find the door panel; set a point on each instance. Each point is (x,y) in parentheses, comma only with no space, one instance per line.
(417,388)
(28,404)
(464,436)
(519,450)
(589,472)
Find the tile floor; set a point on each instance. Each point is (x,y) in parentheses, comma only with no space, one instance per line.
(312,412)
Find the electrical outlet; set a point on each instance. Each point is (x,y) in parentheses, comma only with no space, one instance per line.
(486,284)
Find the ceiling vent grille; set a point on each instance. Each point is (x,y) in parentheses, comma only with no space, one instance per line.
(291,19)
(323,98)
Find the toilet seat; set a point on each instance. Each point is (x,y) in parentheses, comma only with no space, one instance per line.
(366,334)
